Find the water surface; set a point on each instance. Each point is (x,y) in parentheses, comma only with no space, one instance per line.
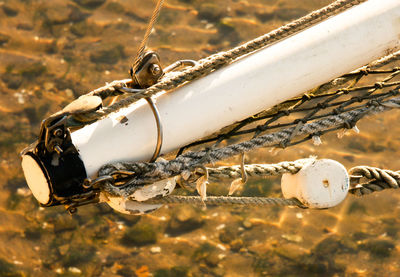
(53,51)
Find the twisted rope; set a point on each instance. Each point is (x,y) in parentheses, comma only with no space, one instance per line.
(358,73)
(145,173)
(216,61)
(227,200)
(379,179)
(113,88)
(110,89)
(255,170)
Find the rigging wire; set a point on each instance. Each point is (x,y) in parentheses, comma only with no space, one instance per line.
(143,44)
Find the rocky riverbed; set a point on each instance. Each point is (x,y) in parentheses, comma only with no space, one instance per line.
(54,51)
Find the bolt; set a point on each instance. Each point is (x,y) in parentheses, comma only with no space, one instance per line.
(58,133)
(87,183)
(72,210)
(58,149)
(155,69)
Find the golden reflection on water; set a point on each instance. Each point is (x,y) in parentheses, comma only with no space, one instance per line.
(53,51)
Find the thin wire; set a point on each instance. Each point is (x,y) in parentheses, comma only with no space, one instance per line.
(143,44)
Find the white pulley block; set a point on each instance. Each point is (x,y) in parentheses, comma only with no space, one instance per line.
(319,184)
(133,205)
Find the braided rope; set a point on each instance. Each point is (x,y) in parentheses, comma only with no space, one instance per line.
(216,61)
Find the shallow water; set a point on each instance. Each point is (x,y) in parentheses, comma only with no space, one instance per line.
(53,51)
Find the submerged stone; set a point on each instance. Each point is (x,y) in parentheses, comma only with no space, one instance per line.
(203,252)
(4,39)
(90,4)
(78,254)
(8,270)
(328,247)
(360,236)
(115,7)
(109,54)
(290,251)
(13,81)
(33,70)
(139,235)
(211,12)
(226,236)
(64,222)
(76,15)
(176,271)
(25,26)
(356,207)
(265,16)
(126,272)
(236,245)
(9,10)
(378,248)
(83,28)
(33,232)
(13,201)
(185,219)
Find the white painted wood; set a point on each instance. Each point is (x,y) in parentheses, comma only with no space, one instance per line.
(36,179)
(250,85)
(319,184)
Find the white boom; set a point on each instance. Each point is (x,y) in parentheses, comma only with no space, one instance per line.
(256,82)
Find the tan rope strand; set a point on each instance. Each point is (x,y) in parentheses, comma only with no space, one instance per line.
(226,200)
(216,61)
(254,170)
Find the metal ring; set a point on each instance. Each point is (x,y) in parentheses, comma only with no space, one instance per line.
(156,116)
(159,129)
(179,63)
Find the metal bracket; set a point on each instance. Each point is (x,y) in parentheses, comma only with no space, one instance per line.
(148,71)
(54,136)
